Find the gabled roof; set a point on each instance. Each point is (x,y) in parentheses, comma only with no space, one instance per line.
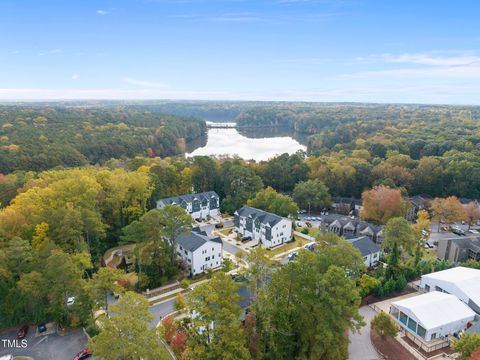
(420,200)
(465,280)
(196,238)
(435,309)
(263,216)
(467,243)
(188,198)
(365,245)
(346,200)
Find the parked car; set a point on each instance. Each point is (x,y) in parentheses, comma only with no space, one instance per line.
(310,247)
(292,256)
(84,354)
(246,238)
(41,328)
(70,300)
(22,332)
(302,211)
(219,225)
(473,231)
(458,231)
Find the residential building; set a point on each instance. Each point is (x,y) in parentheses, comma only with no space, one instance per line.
(200,252)
(351,204)
(268,229)
(433,315)
(417,203)
(460,281)
(350,227)
(369,250)
(459,250)
(198,206)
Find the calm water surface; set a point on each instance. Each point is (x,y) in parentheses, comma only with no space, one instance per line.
(257,144)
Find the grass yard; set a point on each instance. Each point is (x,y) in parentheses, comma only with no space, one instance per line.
(226,231)
(298,242)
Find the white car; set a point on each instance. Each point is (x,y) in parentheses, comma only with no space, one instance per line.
(70,300)
(292,256)
(473,231)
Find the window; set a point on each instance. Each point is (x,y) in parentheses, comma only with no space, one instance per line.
(421,331)
(207,258)
(213,256)
(434,336)
(437,288)
(394,311)
(412,324)
(427,288)
(403,318)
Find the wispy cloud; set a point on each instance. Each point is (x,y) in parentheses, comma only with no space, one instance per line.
(51,52)
(146,83)
(440,93)
(420,65)
(75,77)
(102,12)
(237,17)
(251,17)
(422,59)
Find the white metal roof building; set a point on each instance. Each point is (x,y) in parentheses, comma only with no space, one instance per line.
(432,315)
(460,281)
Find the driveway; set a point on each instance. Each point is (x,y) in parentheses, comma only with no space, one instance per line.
(48,347)
(360,347)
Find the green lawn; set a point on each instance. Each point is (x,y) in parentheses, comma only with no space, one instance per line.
(299,242)
(111,250)
(226,231)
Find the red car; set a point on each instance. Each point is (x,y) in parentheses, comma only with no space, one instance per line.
(22,332)
(82,355)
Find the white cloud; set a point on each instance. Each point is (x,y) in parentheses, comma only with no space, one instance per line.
(429,59)
(51,52)
(146,83)
(421,65)
(102,12)
(75,76)
(392,93)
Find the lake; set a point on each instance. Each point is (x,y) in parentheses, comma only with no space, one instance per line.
(256,144)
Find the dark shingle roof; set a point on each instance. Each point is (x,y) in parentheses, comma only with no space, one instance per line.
(468,243)
(194,239)
(346,200)
(365,245)
(263,216)
(188,198)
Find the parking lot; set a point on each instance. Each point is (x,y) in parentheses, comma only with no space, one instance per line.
(47,347)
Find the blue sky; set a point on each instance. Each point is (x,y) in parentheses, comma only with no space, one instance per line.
(422,51)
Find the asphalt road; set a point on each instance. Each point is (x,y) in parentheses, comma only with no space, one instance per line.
(48,347)
(161,310)
(360,347)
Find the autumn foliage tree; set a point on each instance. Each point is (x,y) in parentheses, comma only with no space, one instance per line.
(472,213)
(447,210)
(382,203)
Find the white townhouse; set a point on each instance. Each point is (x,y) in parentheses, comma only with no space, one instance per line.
(198,206)
(199,251)
(268,229)
(369,250)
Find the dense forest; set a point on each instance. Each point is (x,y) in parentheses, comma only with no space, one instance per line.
(40,137)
